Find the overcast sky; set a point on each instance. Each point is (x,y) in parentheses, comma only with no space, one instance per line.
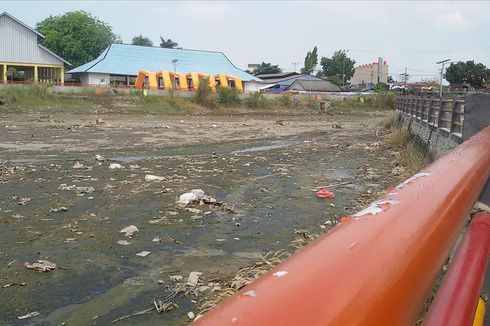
(406,34)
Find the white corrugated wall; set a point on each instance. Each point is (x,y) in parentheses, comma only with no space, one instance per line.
(19,44)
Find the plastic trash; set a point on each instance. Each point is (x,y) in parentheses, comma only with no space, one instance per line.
(114,166)
(129,230)
(40,266)
(99,158)
(189,197)
(151,177)
(325,193)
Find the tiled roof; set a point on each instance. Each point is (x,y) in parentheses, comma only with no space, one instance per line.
(125,59)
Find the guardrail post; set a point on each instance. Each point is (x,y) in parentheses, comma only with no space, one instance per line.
(454,109)
(440,113)
(430,119)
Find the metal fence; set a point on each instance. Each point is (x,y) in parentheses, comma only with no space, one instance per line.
(446,114)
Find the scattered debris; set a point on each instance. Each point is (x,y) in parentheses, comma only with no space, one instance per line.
(143,253)
(176,278)
(40,266)
(99,121)
(336,125)
(13,284)
(58,209)
(162,307)
(129,230)
(198,196)
(29,315)
(191,315)
(114,166)
(78,165)
(151,177)
(25,200)
(190,197)
(162,220)
(78,189)
(193,210)
(193,278)
(324,193)
(100,158)
(124,242)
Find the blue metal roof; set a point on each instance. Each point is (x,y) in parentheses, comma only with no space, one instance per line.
(125,59)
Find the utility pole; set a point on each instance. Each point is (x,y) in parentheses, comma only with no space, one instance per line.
(343,67)
(405,78)
(295,64)
(442,63)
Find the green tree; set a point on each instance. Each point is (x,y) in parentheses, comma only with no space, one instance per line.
(169,44)
(266,68)
(336,66)
(76,36)
(390,79)
(142,41)
(334,80)
(467,72)
(311,60)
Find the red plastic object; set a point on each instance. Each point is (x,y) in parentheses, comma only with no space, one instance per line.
(324,193)
(378,268)
(455,302)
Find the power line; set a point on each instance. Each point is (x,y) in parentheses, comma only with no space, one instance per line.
(422,51)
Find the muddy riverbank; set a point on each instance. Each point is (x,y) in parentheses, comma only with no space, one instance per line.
(266,167)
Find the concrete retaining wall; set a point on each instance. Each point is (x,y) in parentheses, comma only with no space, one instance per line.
(438,141)
(66,89)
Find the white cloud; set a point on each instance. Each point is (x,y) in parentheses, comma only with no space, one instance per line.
(452,21)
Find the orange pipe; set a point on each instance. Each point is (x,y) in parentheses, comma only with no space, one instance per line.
(457,298)
(377,266)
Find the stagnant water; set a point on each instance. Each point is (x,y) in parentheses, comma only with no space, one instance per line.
(270,183)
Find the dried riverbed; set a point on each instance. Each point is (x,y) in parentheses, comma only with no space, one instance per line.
(70,213)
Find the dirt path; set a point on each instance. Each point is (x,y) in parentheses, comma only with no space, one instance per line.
(263,166)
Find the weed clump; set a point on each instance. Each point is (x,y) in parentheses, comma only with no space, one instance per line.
(286,100)
(255,100)
(409,153)
(228,96)
(204,93)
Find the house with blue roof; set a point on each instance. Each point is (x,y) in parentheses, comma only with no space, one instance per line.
(120,63)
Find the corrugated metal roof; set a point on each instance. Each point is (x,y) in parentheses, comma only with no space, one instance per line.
(19,43)
(289,80)
(125,59)
(23,24)
(315,86)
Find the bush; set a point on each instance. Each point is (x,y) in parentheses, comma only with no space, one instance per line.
(228,96)
(286,100)
(204,93)
(40,89)
(307,102)
(8,97)
(255,100)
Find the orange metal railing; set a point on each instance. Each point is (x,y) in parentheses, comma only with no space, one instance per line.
(457,298)
(378,266)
